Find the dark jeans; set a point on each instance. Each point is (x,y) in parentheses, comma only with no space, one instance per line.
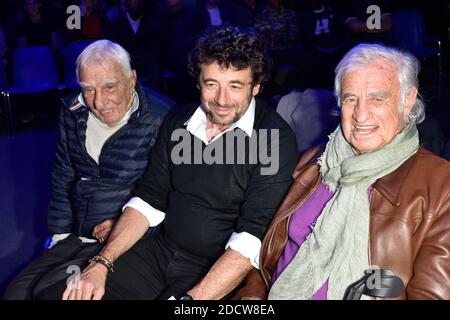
(154,268)
(51,268)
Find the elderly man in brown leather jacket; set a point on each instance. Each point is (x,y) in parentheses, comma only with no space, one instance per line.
(372,198)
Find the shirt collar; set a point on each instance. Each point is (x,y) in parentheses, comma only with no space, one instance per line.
(196,124)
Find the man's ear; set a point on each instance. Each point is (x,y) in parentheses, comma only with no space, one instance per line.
(255,89)
(410,101)
(133,79)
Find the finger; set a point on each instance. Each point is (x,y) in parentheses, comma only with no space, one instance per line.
(79,293)
(66,293)
(104,234)
(98,294)
(72,294)
(71,285)
(86,294)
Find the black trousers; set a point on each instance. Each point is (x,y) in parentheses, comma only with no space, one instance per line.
(154,268)
(51,268)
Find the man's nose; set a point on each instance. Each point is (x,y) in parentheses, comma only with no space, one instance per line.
(221,96)
(361,113)
(98,99)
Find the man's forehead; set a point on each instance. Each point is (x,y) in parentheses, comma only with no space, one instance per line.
(101,71)
(88,83)
(218,70)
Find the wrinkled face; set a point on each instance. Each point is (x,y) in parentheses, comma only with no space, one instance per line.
(370,101)
(226,93)
(106,90)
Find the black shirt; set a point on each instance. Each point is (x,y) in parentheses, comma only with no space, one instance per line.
(38,34)
(323,29)
(206,203)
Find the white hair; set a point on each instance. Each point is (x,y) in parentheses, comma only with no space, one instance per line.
(407,71)
(100,50)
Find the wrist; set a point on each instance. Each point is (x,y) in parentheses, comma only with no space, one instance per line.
(99,259)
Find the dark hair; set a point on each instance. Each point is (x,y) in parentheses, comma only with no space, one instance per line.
(231,46)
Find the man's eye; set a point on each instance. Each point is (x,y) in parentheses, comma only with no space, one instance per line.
(109,88)
(210,85)
(236,88)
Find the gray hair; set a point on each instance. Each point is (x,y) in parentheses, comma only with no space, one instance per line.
(407,71)
(101,50)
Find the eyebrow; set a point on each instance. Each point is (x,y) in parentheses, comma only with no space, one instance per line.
(84,84)
(377,94)
(380,94)
(105,83)
(347,95)
(230,82)
(110,82)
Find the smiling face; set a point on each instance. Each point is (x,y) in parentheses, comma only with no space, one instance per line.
(107,90)
(370,102)
(226,93)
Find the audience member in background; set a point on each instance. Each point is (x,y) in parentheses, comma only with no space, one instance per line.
(308,113)
(359,22)
(180,25)
(38,28)
(322,33)
(3,46)
(244,13)
(137,32)
(278,25)
(217,11)
(115,10)
(93,21)
(106,132)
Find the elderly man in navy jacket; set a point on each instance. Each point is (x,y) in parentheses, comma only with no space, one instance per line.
(105,136)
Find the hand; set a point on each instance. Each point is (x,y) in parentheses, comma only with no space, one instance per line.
(103,229)
(251,298)
(89,286)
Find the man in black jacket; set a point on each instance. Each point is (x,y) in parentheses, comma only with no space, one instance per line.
(105,136)
(217,174)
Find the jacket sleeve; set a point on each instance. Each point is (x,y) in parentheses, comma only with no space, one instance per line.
(431,271)
(60,216)
(254,287)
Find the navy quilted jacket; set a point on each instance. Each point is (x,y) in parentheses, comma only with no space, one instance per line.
(86,193)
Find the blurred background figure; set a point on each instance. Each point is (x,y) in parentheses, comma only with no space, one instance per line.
(137,31)
(37,28)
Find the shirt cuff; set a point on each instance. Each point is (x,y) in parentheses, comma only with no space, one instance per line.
(56,238)
(247,245)
(154,216)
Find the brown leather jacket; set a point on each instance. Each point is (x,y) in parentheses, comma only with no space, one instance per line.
(409,226)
